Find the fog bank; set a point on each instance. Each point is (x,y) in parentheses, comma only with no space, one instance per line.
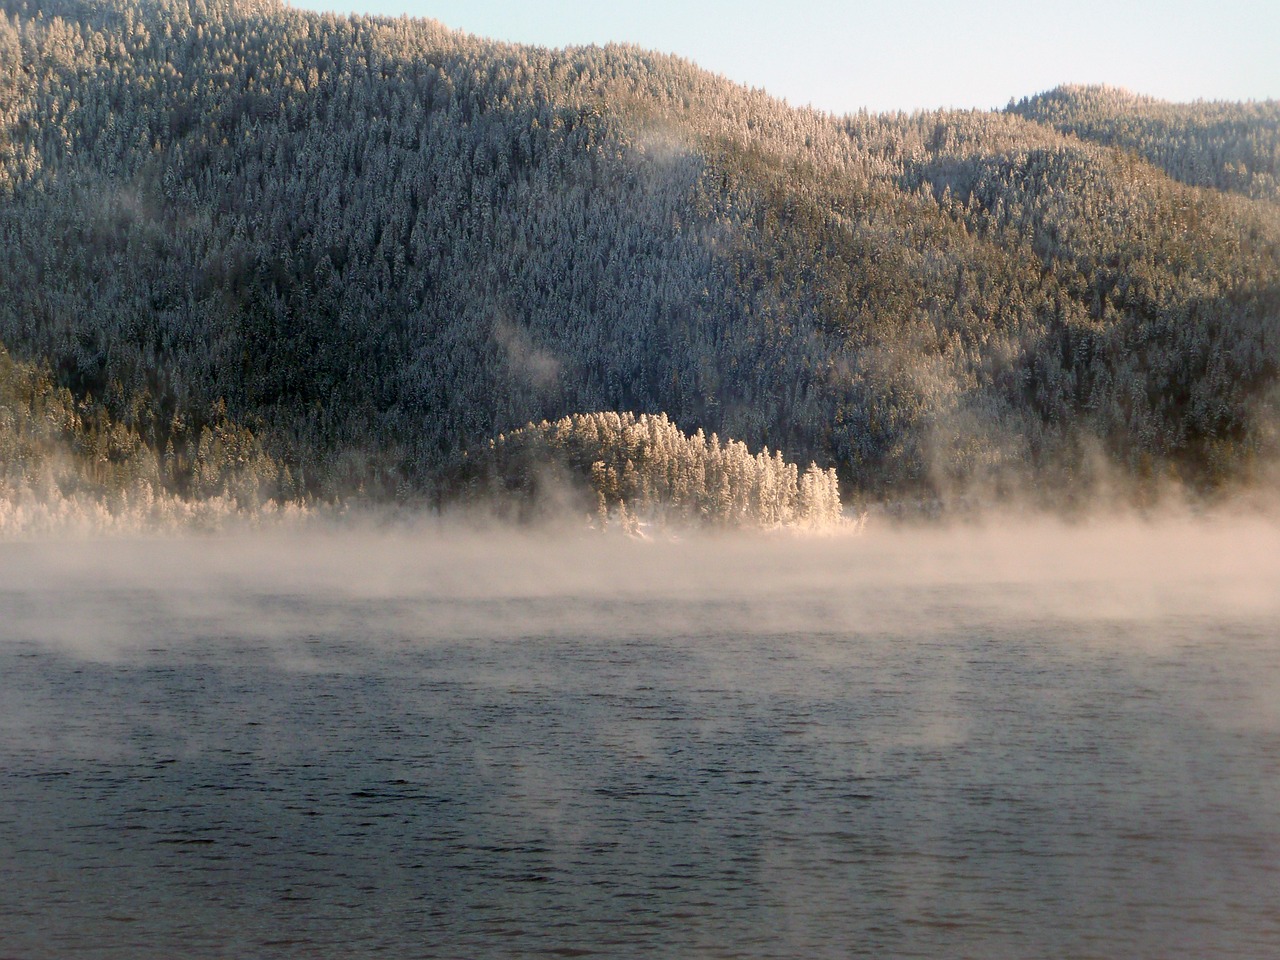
(446,582)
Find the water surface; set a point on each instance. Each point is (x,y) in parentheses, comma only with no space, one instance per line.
(984,743)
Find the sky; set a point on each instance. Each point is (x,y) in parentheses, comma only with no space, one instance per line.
(908,54)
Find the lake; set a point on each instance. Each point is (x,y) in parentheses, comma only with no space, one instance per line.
(993,741)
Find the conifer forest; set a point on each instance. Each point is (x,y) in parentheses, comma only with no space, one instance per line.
(258,257)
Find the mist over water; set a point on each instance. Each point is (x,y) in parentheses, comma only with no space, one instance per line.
(995,740)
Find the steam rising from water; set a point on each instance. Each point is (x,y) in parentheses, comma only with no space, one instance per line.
(1006,740)
(450,582)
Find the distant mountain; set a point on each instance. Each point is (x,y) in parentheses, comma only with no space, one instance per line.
(373,245)
(1228,146)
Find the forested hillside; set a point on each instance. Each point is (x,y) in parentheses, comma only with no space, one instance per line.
(374,245)
(1229,146)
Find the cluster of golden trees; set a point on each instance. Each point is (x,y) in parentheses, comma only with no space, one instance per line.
(629,466)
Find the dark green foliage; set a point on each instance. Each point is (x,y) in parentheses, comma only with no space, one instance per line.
(56,450)
(377,243)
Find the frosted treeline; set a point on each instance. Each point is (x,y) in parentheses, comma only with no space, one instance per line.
(626,466)
(27,512)
(68,469)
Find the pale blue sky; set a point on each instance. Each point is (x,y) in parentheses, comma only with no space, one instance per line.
(908,54)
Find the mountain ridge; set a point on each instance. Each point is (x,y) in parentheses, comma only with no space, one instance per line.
(379,243)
